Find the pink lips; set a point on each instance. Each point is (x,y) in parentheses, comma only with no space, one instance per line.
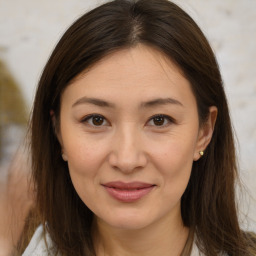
(128,192)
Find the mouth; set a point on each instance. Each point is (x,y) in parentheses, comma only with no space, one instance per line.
(128,192)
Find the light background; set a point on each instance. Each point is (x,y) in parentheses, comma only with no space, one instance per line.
(29,29)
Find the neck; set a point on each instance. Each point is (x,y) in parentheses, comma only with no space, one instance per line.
(167,236)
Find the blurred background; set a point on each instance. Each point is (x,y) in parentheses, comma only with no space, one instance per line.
(29,29)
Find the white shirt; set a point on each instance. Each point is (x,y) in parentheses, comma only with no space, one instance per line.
(37,246)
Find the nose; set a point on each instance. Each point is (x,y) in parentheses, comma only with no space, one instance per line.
(127,153)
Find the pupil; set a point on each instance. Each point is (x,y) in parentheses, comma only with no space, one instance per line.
(97,120)
(159,120)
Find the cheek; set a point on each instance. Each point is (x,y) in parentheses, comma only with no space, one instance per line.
(84,162)
(174,159)
(85,158)
(85,152)
(174,153)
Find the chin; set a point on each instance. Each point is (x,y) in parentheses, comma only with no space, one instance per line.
(128,221)
(129,224)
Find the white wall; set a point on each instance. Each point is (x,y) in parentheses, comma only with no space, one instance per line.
(29,29)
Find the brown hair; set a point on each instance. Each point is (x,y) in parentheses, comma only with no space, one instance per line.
(208,205)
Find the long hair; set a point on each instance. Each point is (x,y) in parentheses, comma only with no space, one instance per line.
(208,205)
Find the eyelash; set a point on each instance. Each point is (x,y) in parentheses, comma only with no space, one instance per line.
(87,118)
(166,117)
(169,119)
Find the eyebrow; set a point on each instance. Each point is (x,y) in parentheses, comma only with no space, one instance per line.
(151,103)
(94,101)
(160,101)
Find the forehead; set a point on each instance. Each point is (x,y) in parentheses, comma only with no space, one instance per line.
(140,61)
(141,72)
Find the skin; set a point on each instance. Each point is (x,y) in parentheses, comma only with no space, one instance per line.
(129,145)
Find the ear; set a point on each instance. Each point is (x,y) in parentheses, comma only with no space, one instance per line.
(205,132)
(57,133)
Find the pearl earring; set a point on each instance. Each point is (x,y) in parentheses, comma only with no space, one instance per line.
(64,157)
(201,153)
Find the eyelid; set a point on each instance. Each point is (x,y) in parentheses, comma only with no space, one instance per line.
(88,117)
(170,119)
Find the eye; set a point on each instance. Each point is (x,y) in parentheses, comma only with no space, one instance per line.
(160,120)
(95,120)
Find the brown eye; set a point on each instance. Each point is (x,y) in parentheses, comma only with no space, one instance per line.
(159,120)
(97,120)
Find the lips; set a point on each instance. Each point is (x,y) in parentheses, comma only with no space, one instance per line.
(128,192)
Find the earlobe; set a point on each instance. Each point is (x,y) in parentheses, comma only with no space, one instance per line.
(55,127)
(57,134)
(205,133)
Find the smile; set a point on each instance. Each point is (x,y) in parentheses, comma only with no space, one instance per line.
(128,192)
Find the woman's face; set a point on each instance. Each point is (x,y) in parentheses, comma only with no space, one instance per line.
(129,131)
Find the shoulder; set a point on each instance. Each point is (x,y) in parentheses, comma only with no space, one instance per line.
(39,245)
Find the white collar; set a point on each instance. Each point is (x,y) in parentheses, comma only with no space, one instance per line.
(37,245)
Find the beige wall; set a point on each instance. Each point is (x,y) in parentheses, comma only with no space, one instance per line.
(30,28)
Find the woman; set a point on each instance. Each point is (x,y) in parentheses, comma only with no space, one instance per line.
(131,140)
